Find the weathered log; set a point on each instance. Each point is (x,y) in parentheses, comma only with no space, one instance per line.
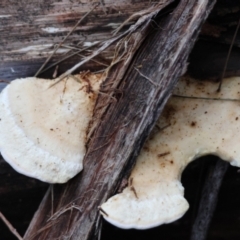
(29,30)
(124,126)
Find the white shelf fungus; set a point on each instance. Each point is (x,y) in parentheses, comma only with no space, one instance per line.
(43,126)
(207,122)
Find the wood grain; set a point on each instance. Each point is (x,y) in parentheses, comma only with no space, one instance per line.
(122,129)
(29,30)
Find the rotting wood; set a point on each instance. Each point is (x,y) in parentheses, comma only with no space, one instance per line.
(30,30)
(124,125)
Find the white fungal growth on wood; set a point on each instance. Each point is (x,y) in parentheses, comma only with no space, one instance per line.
(43,126)
(196,121)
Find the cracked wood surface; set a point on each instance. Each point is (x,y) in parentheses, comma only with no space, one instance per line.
(29,30)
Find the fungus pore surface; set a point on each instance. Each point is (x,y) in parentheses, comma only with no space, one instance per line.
(196,121)
(43,125)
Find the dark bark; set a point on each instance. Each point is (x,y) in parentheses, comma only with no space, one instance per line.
(208,202)
(124,126)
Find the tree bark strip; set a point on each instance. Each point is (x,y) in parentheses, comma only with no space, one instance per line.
(123,128)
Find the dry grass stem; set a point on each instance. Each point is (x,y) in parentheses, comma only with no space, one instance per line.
(63,210)
(55,72)
(10,227)
(228,56)
(209,99)
(42,230)
(150,80)
(142,21)
(66,37)
(135,16)
(67,57)
(52,198)
(93,60)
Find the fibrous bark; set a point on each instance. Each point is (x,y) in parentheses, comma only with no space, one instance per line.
(124,123)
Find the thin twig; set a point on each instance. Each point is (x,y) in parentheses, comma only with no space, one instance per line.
(141,21)
(93,60)
(71,47)
(103,6)
(228,56)
(67,57)
(63,210)
(59,45)
(101,210)
(133,17)
(99,227)
(55,73)
(207,98)
(150,80)
(48,225)
(52,198)
(10,227)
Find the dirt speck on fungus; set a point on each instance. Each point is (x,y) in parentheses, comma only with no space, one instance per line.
(193,124)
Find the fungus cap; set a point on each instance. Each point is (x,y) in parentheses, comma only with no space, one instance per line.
(43,126)
(196,121)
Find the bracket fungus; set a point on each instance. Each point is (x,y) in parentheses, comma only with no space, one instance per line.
(196,121)
(43,125)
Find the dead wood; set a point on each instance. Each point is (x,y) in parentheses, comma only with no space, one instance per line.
(30,30)
(209,199)
(123,125)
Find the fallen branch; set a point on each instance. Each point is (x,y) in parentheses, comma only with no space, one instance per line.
(122,126)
